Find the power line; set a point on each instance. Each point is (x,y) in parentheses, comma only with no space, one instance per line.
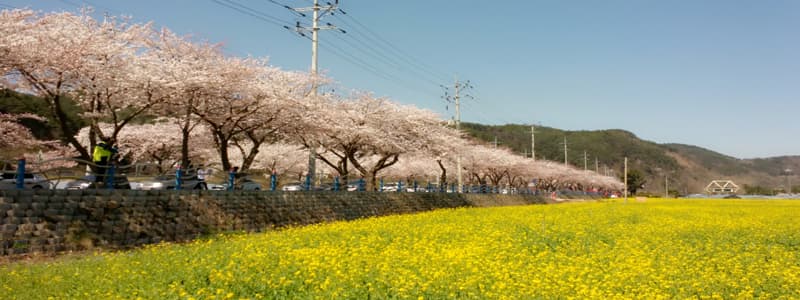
(330,9)
(400,65)
(287,7)
(71,3)
(100,6)
(381,42)
(333,48)
(343,54)
(379,56)
(253,13)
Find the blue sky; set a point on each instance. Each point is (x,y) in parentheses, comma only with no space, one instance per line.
(724,75)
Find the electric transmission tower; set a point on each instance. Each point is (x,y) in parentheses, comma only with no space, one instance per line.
(460,89)
(318,11)
(533,142)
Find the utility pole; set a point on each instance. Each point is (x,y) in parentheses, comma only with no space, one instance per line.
(458,86)
(533,143)
(317,13)
(495,142)
(596,165)
(788,172)
(584,161)
(565,150)
(458,128)
(666,186)
(626,180)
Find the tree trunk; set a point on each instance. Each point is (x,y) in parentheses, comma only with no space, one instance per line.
(340,166)
(372,182)
(66,133)
(443,176)
(372,172)
(222,149)
(185,131)
(250,156)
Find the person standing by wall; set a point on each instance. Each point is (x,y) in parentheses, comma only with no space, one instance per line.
(101,157)
(201,176)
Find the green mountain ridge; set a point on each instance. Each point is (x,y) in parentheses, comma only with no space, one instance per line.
(687,169)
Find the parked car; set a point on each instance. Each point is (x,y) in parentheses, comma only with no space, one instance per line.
(293,187)
(167,182)
(323,187)
(31,181)
(389,187)
(216,187)
(88,182)
(243,184)
(247,184)
(300,186)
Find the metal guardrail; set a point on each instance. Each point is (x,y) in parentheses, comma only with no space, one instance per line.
(113,176)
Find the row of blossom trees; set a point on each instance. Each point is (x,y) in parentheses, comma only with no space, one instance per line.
(232,111)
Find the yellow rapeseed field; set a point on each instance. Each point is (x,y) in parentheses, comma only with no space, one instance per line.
(697,249)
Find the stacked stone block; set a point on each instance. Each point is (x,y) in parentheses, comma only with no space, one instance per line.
(53,221)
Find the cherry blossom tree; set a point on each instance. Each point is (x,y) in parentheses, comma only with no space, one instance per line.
(487,165)
(283,94)
(327,129)
(14,137)
(158,143)
(366,133)
(190,70)
(16,141)
(286,161)
(61,54)
(389,131)
(253,104)
(413,166)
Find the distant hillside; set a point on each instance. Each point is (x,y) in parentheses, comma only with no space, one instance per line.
(688,168)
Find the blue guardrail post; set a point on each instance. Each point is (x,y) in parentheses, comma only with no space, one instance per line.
(21,173)
(336,184)
(178,179)
(231,178)
(110,176)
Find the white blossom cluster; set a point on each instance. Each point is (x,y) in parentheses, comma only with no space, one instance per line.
(227,111)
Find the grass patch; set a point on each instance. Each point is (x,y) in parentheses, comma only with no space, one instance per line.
(657,249)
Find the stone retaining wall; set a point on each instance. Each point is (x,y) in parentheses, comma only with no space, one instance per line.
(53,221)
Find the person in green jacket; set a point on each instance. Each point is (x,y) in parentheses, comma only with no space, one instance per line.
(101,157)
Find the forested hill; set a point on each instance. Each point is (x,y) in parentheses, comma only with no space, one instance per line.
(689,168)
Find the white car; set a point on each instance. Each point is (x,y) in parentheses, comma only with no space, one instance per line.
(293,187)
(389,187)
(216,187)
(167,182)
(31,181)
(88,181)
(244,184)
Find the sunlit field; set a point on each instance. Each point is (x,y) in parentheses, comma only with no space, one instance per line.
(658,249)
